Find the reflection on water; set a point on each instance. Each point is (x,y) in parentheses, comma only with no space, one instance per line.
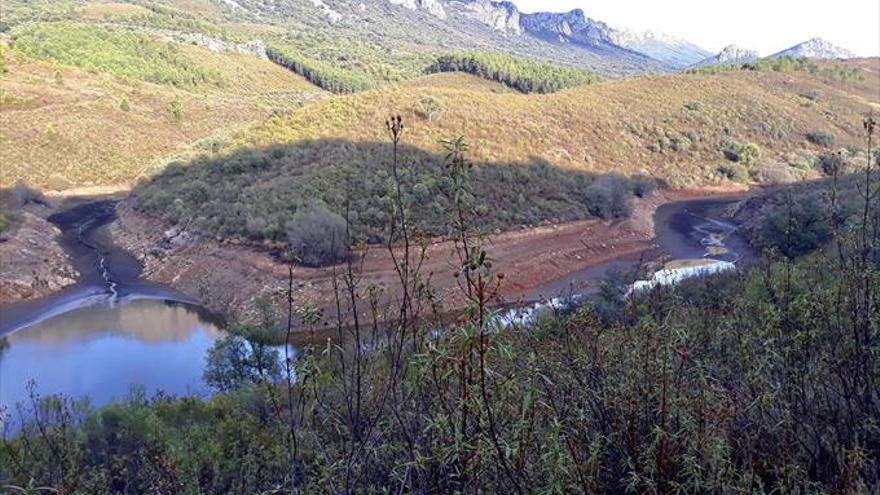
(101,351)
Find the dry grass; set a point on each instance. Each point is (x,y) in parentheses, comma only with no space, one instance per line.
(671,127)
(76,133)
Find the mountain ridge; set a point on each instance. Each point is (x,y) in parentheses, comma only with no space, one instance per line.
(815,48)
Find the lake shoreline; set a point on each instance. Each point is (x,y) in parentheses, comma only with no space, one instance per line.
(539,263)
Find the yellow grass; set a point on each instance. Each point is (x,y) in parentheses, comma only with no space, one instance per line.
(76,133)
(628,126)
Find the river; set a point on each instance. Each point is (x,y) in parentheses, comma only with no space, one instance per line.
(113,329)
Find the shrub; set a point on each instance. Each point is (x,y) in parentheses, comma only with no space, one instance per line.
(821,138)
(124,105)
(797,227)
(776,173)
(57,182)
(609,197)
(735,172)
(643,186)
(176,109)
(428,107)
(5,222)
(831,163)
(317,236)
(745,153)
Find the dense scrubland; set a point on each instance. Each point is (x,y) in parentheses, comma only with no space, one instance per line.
(759,381)
(253,194)
(523,74)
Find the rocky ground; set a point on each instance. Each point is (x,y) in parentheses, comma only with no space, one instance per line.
(32,264)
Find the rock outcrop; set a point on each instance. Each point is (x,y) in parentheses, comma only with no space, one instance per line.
(731,54)
(500,16)
(433,7)
(253,48)
(569,27)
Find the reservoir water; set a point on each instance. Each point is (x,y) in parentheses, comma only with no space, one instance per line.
(106,333)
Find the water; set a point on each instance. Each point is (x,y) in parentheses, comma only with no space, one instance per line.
(101,350)
(108,332)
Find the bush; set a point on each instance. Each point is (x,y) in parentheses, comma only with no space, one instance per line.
(608,197)
(124,105)
(734,172)
(821,138)
(798,227)
(317,236)
(643,186)
(745,153)
(831,163)
(176,109)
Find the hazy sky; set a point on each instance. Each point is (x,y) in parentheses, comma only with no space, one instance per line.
(767,26)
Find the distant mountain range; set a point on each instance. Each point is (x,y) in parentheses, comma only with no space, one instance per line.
(676,52)
(815,48)
(569,38)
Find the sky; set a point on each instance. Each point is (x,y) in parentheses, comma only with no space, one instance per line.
(767,26)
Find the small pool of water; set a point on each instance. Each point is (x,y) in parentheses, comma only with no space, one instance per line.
(100,351)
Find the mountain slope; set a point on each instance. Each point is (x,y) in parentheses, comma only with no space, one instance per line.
(815,48)
(675,52)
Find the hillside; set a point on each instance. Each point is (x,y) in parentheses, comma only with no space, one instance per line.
(672,127)
(63,126)
(556,157)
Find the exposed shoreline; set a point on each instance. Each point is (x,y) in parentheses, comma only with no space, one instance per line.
(227,277)
(538,262)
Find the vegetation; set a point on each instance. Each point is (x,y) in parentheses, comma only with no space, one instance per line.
(126,54)
(317,236)
(252,193)
(821,138)
(761,381)
(319,73)
(831,70)
(526,75)
(89,114)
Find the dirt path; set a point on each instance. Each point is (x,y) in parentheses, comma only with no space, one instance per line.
(226,277)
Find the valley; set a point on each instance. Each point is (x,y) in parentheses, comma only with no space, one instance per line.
(434,246)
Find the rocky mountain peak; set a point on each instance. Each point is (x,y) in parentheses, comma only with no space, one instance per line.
(815,48)
(731,54)
(500,16)
(568,27)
